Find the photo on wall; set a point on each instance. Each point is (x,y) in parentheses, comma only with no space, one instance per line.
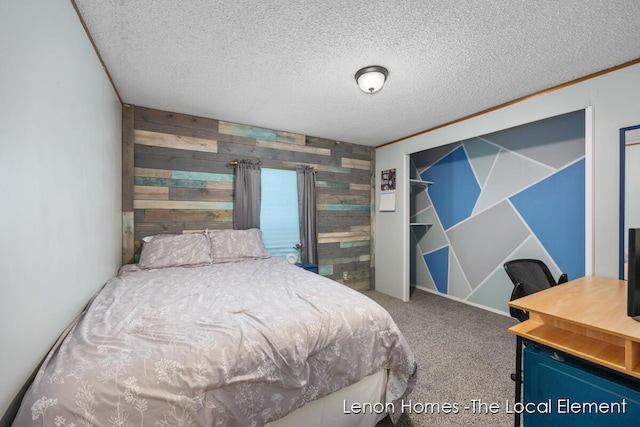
(388,180)
(388,190)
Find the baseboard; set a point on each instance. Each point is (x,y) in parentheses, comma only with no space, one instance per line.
(493,310)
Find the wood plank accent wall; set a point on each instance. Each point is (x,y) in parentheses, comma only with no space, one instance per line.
(182,182)
(127,184)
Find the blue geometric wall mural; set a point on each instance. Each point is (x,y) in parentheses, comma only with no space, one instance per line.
(438,265)
(498,197)
(510,174)
(482,156)
(455,188)
(554,210)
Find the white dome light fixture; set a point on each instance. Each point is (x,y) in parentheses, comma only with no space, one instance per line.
(371,78)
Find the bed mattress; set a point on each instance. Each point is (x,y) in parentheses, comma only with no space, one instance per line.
(239,343)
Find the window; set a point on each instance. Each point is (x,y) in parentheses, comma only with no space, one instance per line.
(279,211)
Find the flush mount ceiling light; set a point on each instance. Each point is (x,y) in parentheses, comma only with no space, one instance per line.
(372,78)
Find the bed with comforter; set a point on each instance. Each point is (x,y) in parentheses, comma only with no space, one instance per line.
(238,342)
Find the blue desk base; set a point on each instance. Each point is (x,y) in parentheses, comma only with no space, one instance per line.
(575,392)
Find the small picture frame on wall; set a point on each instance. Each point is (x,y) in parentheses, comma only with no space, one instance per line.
(388,191)
(388,180)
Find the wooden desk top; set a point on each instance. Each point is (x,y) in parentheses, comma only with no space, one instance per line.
(586,317)
(599,303)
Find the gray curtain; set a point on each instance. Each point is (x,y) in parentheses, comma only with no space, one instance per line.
(246,197)
(308,213)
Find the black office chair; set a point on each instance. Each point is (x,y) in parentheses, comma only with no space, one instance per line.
(528,276)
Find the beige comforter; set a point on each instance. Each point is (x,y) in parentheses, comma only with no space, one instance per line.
(239,343)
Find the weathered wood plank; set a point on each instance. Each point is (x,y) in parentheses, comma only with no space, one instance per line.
(206,133)
(264,153)
(290,137)
(143,192)
(127,158)
(220,185)
(246,131)
(363,187)
(342,220)
(325,270)
(179,204)
(150,115)
(156,139)
(128,114)
(334,169)
(341,192)
(203,176)
(372,220)
(341,149)
(185,125)
(348,260)
(214,179)
(348,245)
(335,228)
(333,185)
(152,173)
(186,215)
(342,236)
(361,216)
(128,248)
(336,250)
(351,176)
(168,182)
(342,199)
(356,164)
(148,229)
(293,147)
(322,142)
(335,207)
(357,274)
(345,229)
(151,160)
(200,195)
(142,150)
(354,151)
(283,164)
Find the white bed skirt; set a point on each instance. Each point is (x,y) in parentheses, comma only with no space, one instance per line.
(330,410)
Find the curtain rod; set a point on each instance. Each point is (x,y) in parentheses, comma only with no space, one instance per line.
(234,163)
(246,161)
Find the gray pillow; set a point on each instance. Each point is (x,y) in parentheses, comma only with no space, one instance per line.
(231,245)
(175,250)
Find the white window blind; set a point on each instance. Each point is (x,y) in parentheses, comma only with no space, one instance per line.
(279,211)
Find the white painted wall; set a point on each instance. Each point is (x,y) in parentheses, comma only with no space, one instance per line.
(60,185)
(615,98)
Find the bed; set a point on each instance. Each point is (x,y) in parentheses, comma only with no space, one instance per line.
(234,337)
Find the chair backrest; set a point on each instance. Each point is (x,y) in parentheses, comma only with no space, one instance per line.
(528,276)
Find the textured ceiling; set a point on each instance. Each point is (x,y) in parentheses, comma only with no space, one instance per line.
(290,65)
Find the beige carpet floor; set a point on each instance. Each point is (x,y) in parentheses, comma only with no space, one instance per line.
(465,357)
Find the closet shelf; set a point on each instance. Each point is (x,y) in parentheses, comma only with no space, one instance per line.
(420,183)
